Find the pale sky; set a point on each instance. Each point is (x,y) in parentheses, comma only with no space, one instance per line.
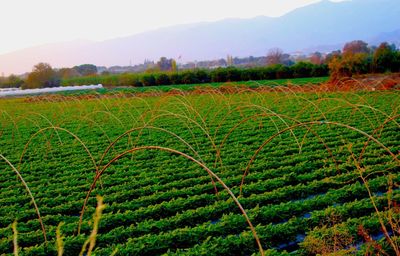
(26,23)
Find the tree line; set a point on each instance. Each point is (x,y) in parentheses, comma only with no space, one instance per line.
(355,58)
(200,76)
(43,75)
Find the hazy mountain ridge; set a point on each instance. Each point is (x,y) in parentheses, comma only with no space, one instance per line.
(324,25)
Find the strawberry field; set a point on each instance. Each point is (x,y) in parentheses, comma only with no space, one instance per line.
(264,173)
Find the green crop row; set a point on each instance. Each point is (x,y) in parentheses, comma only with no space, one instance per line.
(158,202)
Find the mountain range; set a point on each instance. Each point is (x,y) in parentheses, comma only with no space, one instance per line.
(323,26)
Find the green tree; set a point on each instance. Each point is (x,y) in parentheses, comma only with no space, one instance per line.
(86,69)
(148,80)
(189,78)
(320,70)
(219,75)
(14,81)
(42,75)
(302,69)
(162,79)
(11,81)
(384,58)
(397,62)
(233,74)
(203,76)
(176,78)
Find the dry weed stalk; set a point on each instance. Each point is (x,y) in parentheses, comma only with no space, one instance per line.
(91,241)
(15,238)
(59,240)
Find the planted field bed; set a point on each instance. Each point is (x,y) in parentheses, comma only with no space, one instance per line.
(272,173)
